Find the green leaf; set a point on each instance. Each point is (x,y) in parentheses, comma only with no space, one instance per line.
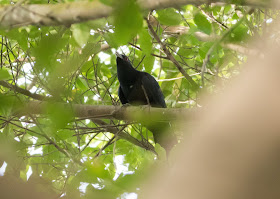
(65,134)
(227,9)
(186,52)
(82,84)
(169,17)
(7,102)
(98,23)
(239,34)
(107,2)
(45,51)
(87,67)
(51,154)
(111,39)
(81,33)
(127,20)
(216,10)
(4,74)
(149,63)
(23,173)
(235,16)
(59,115)
(160,151)
(20,36)
(190,62)
(204,49)
(145,41)
(202,23)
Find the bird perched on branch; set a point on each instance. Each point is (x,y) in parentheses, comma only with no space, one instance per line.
(140,88)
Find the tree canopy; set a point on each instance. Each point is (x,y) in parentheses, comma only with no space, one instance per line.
(61,126)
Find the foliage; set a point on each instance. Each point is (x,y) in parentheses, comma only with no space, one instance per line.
(78,157)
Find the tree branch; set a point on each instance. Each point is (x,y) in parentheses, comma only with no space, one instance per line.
(181,30)
(76,12)
(170,56)
(131,113)
(146,115)
(125,136)
(24,91)
(38,108)
(217,43)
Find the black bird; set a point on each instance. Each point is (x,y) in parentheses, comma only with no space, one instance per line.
(140,88)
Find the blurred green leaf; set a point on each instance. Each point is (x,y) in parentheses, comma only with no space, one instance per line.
(46,51)
(161,152)
(51,155)
(149,63)
(4,74)
(227,8)
(239,34)
(97,24)
(20,35)
(59,115)
(202,23)
(82,84)
(8,103)
(107,2)
(169,17)
(111,40)
(127,20)
(145,41)
(81,33)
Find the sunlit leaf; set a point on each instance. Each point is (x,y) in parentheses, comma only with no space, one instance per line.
(202,23)
(145,41)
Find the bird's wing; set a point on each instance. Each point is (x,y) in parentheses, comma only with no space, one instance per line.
(122,97)
(153,90)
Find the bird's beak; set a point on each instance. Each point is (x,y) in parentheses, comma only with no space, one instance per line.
(118,55)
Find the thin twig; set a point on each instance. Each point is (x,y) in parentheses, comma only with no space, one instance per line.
(214,46)
(170,56)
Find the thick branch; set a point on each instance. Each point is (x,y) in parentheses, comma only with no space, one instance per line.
(131,113)
(146,115)
(68,13)
(37,107)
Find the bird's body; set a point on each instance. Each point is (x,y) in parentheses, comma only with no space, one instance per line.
(140,88)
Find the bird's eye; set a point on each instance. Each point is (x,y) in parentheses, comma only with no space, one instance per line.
(125,58)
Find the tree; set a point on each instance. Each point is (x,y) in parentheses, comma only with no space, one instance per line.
(58,83)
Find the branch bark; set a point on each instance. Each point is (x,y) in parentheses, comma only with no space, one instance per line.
(131,113)
(75,12)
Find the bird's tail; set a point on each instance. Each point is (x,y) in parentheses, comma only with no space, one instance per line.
(163,135)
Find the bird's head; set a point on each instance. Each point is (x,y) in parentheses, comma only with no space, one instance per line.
(122,59)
